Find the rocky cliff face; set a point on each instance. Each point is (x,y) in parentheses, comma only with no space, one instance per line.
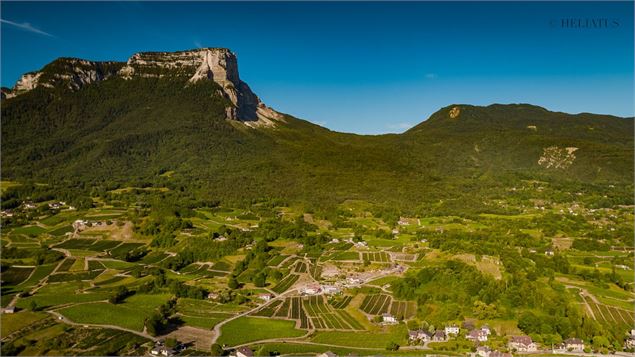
(70,73)
(216,64)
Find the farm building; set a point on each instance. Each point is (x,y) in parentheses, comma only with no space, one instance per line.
(574,345)
(477,335)
(388,318)
(439,336)
(420,335)
(327,354)
(452,330)
(242,352)
(522,344)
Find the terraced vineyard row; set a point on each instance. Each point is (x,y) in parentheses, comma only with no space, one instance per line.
(611,315)
(300,267)
(285,283)
(376,304)
(382,257)
(323,317)
(340,304)
(269,310)
(403,309)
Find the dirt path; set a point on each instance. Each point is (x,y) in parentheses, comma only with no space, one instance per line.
(60,317)
(217,327)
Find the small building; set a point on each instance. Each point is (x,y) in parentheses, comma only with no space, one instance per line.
(327,354)
(330,289)
(574,345)
(522,344)
(549,252)
(361,244)
(403,222)
(452,330)
(161,350)
(265,297)
(477,336)
(9,310)
(419,335)
(212,296)
(311,290)
(439,336)
(242,352)
(559,348)
(388,318)
(486,329)
(483,351)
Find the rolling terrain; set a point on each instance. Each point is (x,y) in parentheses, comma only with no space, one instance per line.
(159,204)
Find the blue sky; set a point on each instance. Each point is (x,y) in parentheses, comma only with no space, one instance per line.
(357,67)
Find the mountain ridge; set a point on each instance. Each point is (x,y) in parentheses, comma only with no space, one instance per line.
(126,130)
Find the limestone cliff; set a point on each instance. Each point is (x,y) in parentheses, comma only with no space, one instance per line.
(216,64)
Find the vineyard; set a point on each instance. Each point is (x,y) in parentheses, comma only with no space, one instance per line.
(376,304)
(300,267)
(285,283)
(323,317)
(610,315)
(381,257)
(340,304)
(403,309)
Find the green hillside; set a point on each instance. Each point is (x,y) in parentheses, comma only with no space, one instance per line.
(128,132)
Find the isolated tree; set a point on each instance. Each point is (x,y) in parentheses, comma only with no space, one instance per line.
(217,350)
(233,283)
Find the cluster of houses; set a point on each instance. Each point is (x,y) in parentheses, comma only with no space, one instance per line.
(569,345)
(57,205)
(516,343)
(423,336)
(316,289)
(522,344)
(160,349)
(82,224)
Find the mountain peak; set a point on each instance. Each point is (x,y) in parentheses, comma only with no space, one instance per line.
(216,64)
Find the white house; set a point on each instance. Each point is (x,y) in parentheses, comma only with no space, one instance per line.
(522,344)
(388,319)
(265,297)
(327,354)
(574,345)
(311,290)
(452,330)
(483,351)
(242,352)
(421,335)
(477,335)
(330,289)
(486,329)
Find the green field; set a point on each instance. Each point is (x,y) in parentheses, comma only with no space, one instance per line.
(234,332)
(129,314)
(395,334)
